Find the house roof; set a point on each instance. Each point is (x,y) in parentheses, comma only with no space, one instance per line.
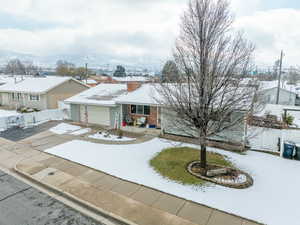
(39,85)
(103,94)
(113,94)
(146,94)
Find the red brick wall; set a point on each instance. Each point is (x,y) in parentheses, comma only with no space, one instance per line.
(151,119)
(132,86)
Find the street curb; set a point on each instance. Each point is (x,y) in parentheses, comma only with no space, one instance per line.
(76,200)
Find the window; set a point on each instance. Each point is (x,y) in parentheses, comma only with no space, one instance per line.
(16,96)
(133,109)
(140,109)
(34,97)
(146,110)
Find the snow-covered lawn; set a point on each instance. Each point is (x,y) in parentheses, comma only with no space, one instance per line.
(110,137)
(64,128)
(273,199)
(7,113)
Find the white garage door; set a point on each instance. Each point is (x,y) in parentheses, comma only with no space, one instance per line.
(98,115)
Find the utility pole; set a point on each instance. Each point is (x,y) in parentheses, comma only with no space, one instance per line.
(279,77)
(86,72)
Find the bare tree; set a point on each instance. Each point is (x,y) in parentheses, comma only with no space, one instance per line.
(65,68)
(31,69)
(210,96)
(293,76)
(15,67)
(170,71)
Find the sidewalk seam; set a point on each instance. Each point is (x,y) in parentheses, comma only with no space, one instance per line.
(180,208)
(77,200)
(209,217)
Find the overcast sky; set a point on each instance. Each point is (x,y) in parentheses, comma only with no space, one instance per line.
(137,28)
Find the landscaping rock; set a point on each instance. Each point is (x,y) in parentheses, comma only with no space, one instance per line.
(216,172)
(244,181)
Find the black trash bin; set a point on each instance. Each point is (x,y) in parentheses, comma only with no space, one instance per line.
(297,154)
(288,150)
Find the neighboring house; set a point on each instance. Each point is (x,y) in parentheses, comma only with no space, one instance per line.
(39,92)
(286,97)
(269,89)
(97,105)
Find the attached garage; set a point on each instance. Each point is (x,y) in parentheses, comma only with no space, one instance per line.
(95,115)
(97,105)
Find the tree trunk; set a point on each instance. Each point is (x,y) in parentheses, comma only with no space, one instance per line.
(203,156)
(203,162)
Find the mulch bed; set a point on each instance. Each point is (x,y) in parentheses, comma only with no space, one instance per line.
(228,180)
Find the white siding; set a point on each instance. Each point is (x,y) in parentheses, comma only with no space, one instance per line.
(285,97)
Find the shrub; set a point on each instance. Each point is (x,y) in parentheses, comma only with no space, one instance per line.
(120,133)
(288,119)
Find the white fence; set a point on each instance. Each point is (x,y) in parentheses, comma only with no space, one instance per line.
(267,139)
(32,119)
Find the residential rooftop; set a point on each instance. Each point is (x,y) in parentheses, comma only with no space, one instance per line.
(102,94)
(25,84)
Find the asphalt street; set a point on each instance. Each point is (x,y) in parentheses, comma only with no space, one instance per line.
(21,204)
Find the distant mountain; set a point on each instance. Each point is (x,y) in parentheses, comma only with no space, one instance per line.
(7,55)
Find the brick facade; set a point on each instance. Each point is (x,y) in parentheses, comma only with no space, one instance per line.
(151,119)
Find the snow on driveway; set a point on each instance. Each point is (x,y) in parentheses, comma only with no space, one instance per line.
(110,137)
(273,199)
(64,128)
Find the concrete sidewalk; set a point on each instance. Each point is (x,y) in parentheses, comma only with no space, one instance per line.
(128,202)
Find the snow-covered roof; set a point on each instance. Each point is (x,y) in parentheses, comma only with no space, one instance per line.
(37,85)
(146,94)
(4,79)
(102,94)
(131,78)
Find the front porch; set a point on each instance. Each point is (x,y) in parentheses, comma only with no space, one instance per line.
(136,117)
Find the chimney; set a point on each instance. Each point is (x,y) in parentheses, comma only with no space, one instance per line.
(133,85)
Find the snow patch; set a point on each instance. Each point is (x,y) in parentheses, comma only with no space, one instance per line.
(110,137)
(64,128)
(7,113)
